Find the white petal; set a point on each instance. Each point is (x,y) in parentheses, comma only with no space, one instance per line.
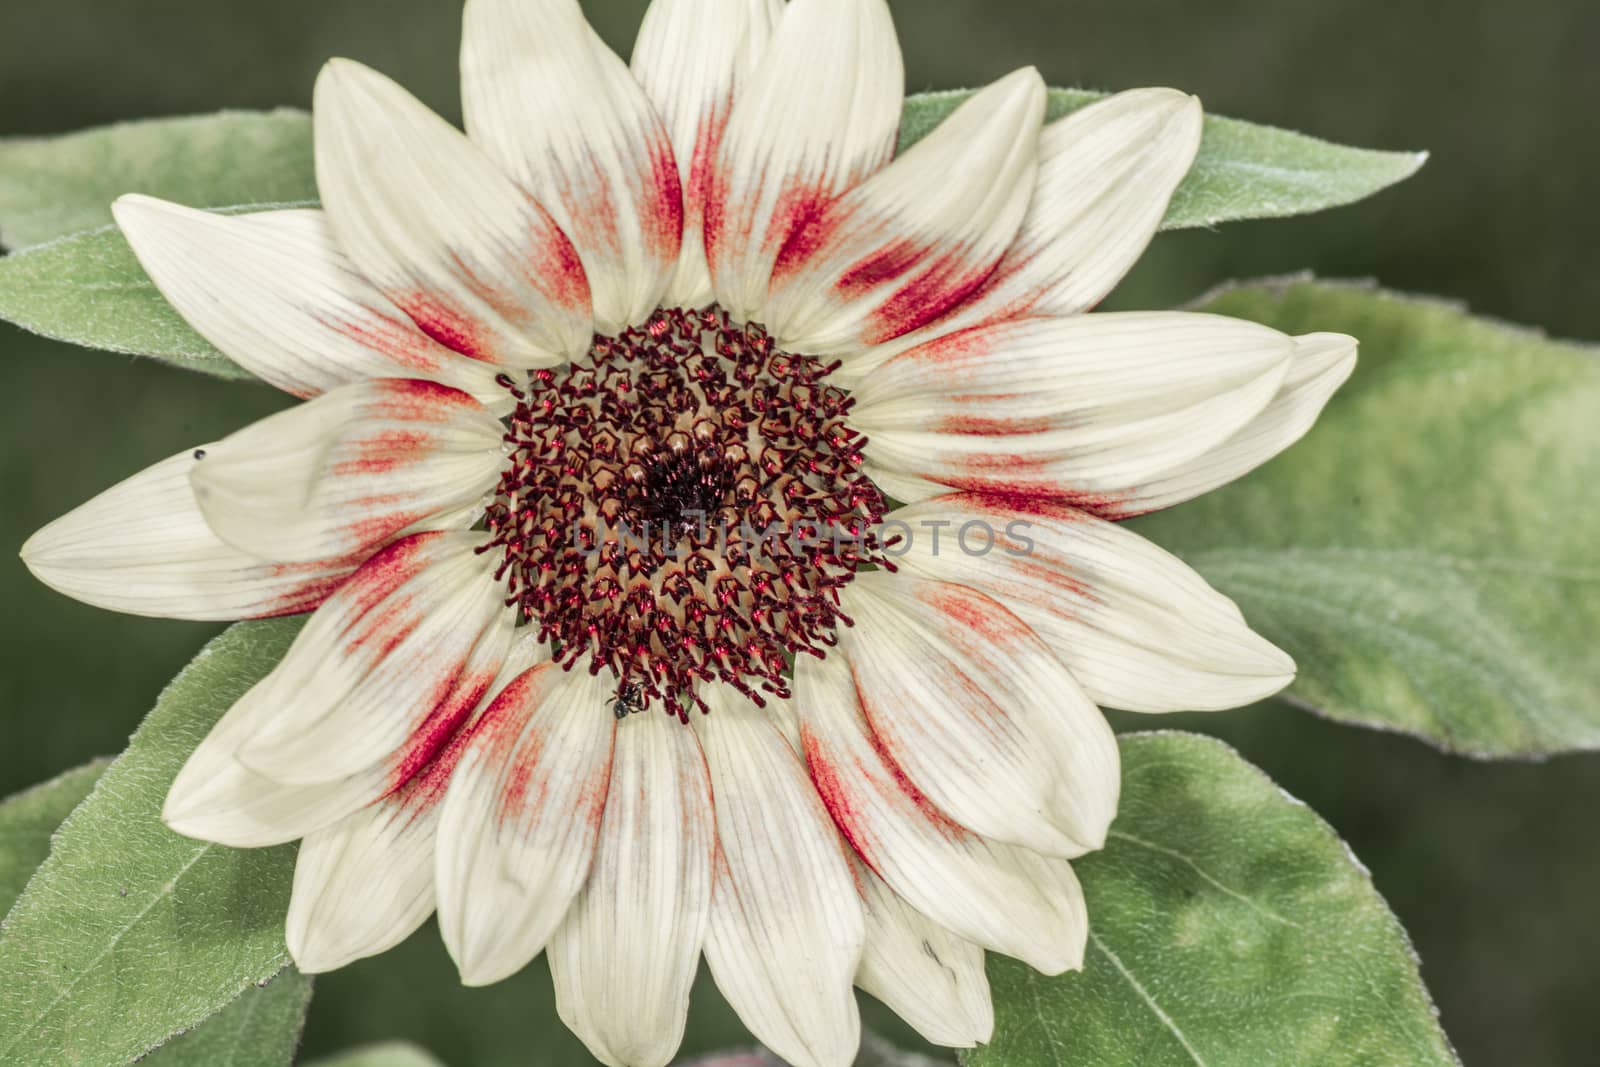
(436,226)
(1106,173)
(365,883)
(981,716)
(1322,362)
(217,798)
(275,294)
(520,820)
(549,102)
(1083,409)
(1139,628)
(625,957)
(920,237)
(786,926)
(390,654)
(820,115)
(930,978)
(999,896)
(692,58)
(142,547)
(362,885)
(349,469)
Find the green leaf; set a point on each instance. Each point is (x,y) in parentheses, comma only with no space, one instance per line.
(54,186)
(261,1028)
(88,289)
(1243,171)
(1427,552)
(28,820)
(389,1054)
(1229,926)
(130,933)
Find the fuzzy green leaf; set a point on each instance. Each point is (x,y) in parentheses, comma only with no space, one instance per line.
(29,819)
(89,289)
(1229,927)
(1244,170)
(130,933)
(261,1028)
(1427,552)
(389,1054)
(54,186)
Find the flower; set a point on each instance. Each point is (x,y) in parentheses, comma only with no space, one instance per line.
(701,301)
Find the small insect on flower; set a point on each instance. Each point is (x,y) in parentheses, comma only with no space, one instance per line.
(629,700)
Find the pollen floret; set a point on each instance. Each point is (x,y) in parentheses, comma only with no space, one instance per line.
(684,506)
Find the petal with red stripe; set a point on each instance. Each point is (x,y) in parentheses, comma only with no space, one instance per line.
(624,959)
(999,896)
(1083,409)
(365,883)
(554,106)
(979,714)
(478,264)
(143,547)
(1138,627)
(820,116)
(522,817)
(920,237)
(395,659)
(349,469)
(1106,174)
(786,925)
(275,294)
(692,59)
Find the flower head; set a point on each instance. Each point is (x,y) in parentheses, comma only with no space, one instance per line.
(620,648)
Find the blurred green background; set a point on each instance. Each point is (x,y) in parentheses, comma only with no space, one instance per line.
(1493,868)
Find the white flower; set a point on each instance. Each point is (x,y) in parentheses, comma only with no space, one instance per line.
(630,296)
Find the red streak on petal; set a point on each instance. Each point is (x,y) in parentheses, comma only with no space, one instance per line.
(945,283)
(800,226)
(400,340)
(835,796)
(894,260)
(977,616)
(558,269)
(449,326)
(375,528)
(713,220)
(663,209)
(520,791)
(840,797)
(389,568)
(417,400)
(708,139)
(380,631)
(322,579)
(1039,578)
(1047,501)
(385,451)
(432,752)
(967,346)
(978,426)
(301,599)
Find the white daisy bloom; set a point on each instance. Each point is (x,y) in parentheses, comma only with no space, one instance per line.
(702,294)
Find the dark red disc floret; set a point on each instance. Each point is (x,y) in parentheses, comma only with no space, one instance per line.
(683,506)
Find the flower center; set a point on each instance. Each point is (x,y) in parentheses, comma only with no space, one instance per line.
(684,506)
